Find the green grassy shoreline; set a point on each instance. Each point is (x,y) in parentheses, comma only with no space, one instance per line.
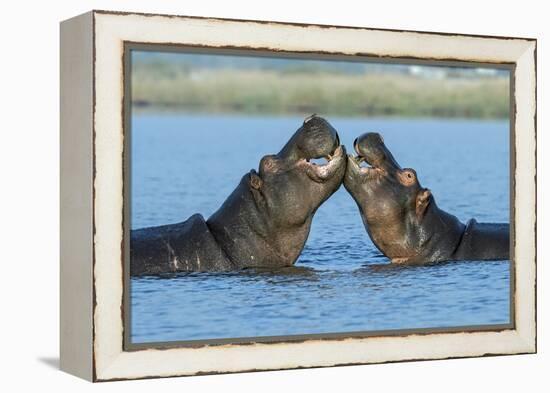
(271,92)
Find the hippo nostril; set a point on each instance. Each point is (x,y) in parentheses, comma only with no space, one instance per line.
(355,143)
(337,140)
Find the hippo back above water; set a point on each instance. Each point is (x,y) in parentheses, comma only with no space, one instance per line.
(403,219)
(264,222)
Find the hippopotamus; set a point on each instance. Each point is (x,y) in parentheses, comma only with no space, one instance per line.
(263,223)
(402,218)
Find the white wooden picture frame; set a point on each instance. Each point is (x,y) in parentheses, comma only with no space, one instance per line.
(92,193)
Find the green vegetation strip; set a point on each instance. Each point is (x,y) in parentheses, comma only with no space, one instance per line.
(168,87)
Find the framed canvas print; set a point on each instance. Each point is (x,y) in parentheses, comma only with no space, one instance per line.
(245,195)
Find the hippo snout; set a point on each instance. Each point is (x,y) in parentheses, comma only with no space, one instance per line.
(368,142)
(371,147)
(316,138)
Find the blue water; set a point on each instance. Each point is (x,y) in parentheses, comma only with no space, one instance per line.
(185,164)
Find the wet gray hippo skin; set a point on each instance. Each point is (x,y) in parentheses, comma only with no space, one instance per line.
(402,218)
(265,221)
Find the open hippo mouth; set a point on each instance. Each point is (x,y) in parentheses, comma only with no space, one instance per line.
(372,157)
(320,171)
(314,149)
(359,165)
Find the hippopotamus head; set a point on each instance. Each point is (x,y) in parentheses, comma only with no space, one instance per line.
(391,200)
(266,221)
(290,185)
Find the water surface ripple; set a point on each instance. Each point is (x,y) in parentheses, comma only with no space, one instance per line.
(185,164)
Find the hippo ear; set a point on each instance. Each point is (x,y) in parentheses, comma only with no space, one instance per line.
(254,180)
(423,199)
